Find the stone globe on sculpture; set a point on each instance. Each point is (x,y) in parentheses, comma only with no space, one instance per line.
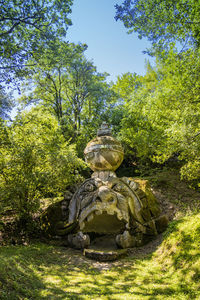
(104,153)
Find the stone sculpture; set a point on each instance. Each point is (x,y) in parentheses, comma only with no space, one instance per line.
(108,205)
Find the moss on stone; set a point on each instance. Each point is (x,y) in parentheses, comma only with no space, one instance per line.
(52,218)
(152,202)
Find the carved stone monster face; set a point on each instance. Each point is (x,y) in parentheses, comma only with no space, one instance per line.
(105,206)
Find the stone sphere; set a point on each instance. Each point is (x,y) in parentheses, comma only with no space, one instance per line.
(104,153)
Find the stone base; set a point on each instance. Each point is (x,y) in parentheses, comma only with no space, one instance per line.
(105,255)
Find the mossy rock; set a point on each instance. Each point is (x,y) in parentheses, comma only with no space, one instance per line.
(161,220)
(105,255)
(147,197)
(54,220)
(151,212)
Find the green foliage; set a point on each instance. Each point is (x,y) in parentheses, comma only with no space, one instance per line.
(162,22)
(126,84)
(162,112)
(46,79)
(178,111)
(71,88)
(162,109)
(26,27)
(35,162)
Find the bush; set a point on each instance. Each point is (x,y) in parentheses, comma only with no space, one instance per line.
(35,162)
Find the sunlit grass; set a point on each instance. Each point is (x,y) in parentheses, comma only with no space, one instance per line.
(42,271)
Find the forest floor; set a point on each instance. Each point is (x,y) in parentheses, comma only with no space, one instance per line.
(166,268)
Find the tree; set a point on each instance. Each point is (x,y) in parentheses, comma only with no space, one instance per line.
(26,26)
(35,162)
(46,76)
(136,129)
(86,92)
(162,113)
(69,85)
(162,22)
(162,119)
(179,111)
(126,84)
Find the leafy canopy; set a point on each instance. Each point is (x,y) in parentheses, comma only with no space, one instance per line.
(71,88)
(26,26)
(162,21)
(162,112)
(35,161)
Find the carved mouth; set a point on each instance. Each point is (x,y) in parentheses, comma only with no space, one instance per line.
(101,218)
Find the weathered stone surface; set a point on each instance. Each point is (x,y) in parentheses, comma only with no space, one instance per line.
(104,207)
(104,153)
(126,240)
(161,223)
(118,206)
(79,240)
(104,130)
(105,255)
(54,220)
(152,202)
(103,203)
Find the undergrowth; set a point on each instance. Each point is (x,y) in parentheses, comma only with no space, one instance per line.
(40,271)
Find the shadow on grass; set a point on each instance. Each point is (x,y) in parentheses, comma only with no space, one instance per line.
(41,271)
(46,272)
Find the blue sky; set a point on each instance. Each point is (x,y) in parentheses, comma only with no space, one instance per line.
(109,46)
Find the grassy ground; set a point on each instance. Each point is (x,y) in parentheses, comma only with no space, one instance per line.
(40,271)
(167,268)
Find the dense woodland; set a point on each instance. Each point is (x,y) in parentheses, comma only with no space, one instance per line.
(64,99)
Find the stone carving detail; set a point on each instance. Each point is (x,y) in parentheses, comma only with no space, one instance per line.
(104,153)
(105,204)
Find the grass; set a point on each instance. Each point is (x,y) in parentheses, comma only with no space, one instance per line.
(41,271)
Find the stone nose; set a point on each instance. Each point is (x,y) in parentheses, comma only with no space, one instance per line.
(106,195)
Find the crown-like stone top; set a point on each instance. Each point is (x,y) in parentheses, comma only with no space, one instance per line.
(104,130)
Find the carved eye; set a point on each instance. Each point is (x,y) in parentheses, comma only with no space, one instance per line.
(89,187)
(133,185)
(117,188)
